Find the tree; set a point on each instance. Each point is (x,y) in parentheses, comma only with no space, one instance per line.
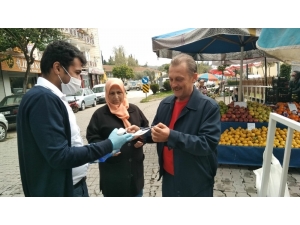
(119,55)
(138,75)
(150,74)
(111,61)
(164,68)
(104,62)
(123,72)
(131,61)
(22,37)
(203,67)
(285,70)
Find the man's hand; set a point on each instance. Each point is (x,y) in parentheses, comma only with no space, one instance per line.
(132,129)
(160,133)
(119,140)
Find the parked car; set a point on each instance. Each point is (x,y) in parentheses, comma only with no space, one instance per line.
(99,90)
(85,96)
(9,107)
(3,127)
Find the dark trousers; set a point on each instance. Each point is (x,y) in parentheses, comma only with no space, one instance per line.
(80,189)
(140,194)
(169,189)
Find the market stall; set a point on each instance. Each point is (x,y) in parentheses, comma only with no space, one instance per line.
(251,156)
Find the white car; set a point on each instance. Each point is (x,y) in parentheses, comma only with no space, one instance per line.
(85,97)
(3,127)
(99,90)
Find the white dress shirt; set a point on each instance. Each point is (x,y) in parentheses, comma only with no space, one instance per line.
(79,172)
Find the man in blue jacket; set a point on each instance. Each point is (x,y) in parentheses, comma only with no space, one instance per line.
(187,130)
(49,142)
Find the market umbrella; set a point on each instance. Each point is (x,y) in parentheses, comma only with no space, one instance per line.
(282,43)
(227,72)
(203,43)
(207,76)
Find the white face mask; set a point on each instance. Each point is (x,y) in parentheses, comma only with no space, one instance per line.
(292,78)
(72,87)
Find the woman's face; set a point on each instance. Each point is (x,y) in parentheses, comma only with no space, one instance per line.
(116,95)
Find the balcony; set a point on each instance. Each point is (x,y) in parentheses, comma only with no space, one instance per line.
(79,34)
(91,64)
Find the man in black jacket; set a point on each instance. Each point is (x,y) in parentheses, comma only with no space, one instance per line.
(46,148)
(187,130)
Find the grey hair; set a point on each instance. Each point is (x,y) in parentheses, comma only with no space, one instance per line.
(184,58)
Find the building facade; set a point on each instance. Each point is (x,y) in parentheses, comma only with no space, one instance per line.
(12,71)
(87,41)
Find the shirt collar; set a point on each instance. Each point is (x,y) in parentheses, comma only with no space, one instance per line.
(47,84)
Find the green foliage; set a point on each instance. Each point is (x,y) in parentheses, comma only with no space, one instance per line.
(167,85)
(111,61)
(203,67)
(232,82)
(164,68)
(21,37)
(138,75)
(285,70)
(154,88)
(150,74)
(131,61)
(123,72)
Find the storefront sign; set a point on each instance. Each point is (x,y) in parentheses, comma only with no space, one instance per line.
(20,65)
(96,70)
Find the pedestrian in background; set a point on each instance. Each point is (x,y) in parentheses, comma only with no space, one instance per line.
(202,87)
(123,175)
(49,142)
(187,130)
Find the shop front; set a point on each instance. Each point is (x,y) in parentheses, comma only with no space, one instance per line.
(96,76)
(13,75)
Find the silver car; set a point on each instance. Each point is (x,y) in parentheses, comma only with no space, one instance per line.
(3,127)
(85,96)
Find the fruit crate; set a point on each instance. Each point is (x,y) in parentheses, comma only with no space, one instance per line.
(280,84)
(271,95)
(283,95)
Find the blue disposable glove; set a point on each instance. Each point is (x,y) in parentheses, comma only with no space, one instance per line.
(119,140)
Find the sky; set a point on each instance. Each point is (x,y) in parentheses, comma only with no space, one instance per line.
(136,41)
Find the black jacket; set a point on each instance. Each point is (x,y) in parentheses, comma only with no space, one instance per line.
(194,141)
(46,157)
(123,175)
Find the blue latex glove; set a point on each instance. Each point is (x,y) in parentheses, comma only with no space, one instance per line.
(119,140)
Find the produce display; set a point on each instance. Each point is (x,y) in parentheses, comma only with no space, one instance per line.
(257,137)
(255,112)
(282,109)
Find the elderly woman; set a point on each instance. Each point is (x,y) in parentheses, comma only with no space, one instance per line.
(122,175)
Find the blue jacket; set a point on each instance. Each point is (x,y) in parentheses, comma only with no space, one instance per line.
(194,141)
(46,157)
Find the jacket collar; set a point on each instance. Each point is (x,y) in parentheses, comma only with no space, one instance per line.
(192,103)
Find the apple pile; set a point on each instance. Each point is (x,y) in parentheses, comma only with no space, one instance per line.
(238,114)
(223,107)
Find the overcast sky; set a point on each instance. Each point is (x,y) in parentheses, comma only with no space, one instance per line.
(136,41)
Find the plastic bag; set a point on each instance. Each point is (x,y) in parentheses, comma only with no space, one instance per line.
(274,181)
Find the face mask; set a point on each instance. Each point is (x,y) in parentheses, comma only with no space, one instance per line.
(292,78)
(72,87)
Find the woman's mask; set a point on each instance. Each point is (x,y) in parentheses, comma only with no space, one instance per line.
(72,87)
(292,79)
